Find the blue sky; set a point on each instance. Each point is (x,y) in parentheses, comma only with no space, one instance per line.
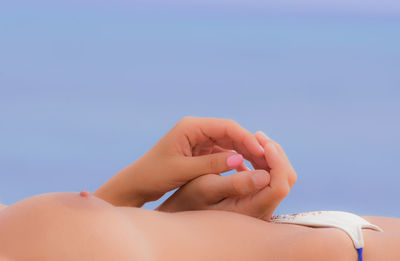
(340,7)
(86,89)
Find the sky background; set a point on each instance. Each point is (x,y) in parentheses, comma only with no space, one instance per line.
(86,87)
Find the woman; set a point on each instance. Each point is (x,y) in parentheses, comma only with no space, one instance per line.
(109,225)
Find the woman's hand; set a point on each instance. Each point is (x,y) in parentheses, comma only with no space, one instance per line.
(194,147)
(210,190)
(237,193)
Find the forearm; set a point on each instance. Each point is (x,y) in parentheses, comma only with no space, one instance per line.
(123,189)
(143,181)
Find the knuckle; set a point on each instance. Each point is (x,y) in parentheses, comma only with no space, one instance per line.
(186,119)
(243,184)
(279,147)
(201,190)
(237,184)
(214,165)
(282,191)
(293,177)
(235,124)
(195,189)
(231,123)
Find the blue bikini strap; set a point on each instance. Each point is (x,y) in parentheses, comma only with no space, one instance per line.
(359,250)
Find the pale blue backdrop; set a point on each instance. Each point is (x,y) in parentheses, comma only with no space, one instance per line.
(86,87)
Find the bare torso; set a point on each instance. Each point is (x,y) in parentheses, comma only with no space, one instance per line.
(66,226)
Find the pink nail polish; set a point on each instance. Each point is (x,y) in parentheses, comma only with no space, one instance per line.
(234,161)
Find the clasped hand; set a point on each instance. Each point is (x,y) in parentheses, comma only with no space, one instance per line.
(191,156)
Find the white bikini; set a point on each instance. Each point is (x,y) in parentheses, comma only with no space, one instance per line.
(348,222)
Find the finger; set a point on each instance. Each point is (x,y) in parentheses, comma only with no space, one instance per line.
(243,167)
(263,139)
(212,163)
(259,163)
(207,147)
(286,165)
(274,159)
(204,148)
(239,184)
(279,186)
(225,133)
(256,160)
(217,149)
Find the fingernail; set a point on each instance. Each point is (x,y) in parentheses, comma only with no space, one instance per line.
(234,161)
(260,180)
(260,148)
(264,136)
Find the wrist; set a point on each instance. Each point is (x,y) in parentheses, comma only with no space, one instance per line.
(119,199)
(123,189)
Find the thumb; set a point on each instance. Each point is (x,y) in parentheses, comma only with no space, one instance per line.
(239,184)
(214,163)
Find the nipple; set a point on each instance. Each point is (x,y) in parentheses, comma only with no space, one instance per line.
(84,194)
